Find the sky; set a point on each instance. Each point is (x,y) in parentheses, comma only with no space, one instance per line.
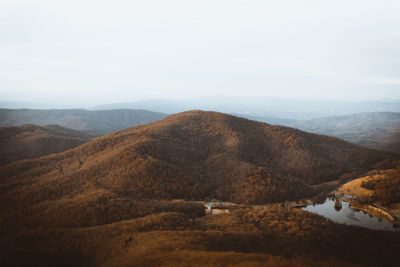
(94,52)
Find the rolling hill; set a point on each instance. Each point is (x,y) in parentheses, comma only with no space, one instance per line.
(98,122)
(191,155)
(31,141)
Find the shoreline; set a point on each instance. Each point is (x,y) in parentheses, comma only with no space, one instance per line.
(384,213)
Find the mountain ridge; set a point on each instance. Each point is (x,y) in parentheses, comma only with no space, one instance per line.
(261,106)
(377,130)
(194,155)
(97,122)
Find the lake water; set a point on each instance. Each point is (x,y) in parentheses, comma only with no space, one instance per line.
(348,215)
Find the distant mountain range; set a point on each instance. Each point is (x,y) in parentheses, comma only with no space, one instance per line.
(260,106)
(378,130)
(94,122)
(31,141)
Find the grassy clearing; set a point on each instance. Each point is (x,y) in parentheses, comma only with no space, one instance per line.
(354,187)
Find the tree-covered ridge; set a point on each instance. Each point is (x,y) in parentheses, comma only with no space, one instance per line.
(192,155)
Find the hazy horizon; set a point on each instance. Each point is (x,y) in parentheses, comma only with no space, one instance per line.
(87,53)
(38,101)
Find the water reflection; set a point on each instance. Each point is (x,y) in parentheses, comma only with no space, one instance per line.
(340,212)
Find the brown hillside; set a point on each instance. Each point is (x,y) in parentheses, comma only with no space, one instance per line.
(31,141)
(99,204)
(192,155)
(270,236)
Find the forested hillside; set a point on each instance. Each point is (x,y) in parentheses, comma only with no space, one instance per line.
(192,155)
(110,202)
(31,141)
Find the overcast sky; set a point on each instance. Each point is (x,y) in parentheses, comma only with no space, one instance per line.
(93,52)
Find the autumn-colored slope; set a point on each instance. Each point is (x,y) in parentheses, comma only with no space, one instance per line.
(105,202)
(191,155)
(269,236)
(31,141)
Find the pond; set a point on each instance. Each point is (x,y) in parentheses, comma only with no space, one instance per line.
(347,215)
